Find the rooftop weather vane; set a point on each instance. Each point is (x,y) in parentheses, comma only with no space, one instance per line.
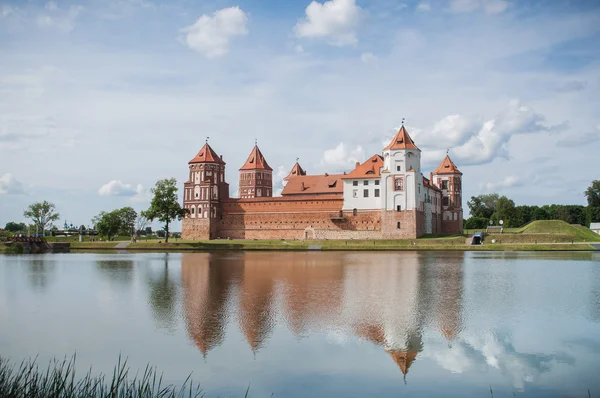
(297,159)
(255,142)
(447,150)
(403,121)
(207,139)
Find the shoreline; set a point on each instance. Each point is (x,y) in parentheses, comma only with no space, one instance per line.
(328,246)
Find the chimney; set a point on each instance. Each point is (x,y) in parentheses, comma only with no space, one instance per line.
(357,164)
(221,157)
(326,175)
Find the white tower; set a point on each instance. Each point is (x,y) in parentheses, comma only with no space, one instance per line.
(401,176)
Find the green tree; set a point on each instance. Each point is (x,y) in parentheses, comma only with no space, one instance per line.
(108,223)
(476,223)
(128,219)
(15,227)
(483,206)
(505,210)
(165,206)
(42,214)
(593,194)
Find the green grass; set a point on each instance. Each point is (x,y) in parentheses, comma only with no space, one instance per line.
(28,380)
(580,233)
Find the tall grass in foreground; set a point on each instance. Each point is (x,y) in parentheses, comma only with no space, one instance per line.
(59,380)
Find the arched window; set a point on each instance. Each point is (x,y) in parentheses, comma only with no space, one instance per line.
(398,224)
(354,212)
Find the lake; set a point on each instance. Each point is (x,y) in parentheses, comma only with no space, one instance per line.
(316,324)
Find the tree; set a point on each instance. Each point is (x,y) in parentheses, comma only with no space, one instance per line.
(593,194)
(476,223)
(483,206)
(128,220)
(140,225)
(108,223)
(42,214)
(505,210)
(165,206)
(15,227)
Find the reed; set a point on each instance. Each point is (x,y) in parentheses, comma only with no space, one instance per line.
(59,380)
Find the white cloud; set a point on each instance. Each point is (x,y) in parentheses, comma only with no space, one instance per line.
(335,20)
(9,185)
(368,58)
(118,188)
(343,156)
(211,35)
(424,7)
(298,48)
(6,10)
(573,85)
(580,139)
(51,6)
(489,6)
(63,21)
(474,141)
(510,181)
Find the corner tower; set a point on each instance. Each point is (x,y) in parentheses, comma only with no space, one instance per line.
(202,195)
(297,170)
(448,178)
(256,176)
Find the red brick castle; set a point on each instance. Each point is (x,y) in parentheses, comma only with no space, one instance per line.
(386,197)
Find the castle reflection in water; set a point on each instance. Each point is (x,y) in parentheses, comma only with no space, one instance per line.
(389,303)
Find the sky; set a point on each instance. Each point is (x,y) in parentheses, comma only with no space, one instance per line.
(99,99)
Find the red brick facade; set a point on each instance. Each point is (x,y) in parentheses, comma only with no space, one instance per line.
(311,206)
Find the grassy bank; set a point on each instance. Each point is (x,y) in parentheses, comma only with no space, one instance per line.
(416,244)
(58,379)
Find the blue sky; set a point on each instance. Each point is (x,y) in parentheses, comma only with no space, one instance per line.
(99,99)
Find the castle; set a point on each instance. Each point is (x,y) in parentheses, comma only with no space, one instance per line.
(386,197)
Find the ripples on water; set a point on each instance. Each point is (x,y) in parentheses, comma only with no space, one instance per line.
(317,324)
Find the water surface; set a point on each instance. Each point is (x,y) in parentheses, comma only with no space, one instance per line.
(342,324)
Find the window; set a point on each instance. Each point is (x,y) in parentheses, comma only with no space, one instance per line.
(445,201)
(258,192)
(377,193)
(366,193)
(366,182)
(398,225)
(445,184)
(355,193)
(398,168)
(376,182)
(355,183)
(354,212)
(399,183)
(193,209)
(399,208)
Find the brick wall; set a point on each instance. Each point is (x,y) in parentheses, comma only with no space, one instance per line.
(196,229)
(318,217)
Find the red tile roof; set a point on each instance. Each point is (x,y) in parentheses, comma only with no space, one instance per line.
(297,170)
(207,155)
(427,183)
(402,141)
(315,184)
(447,167)
(369,169)
(256,161)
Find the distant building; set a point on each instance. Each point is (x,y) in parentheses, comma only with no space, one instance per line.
(385,197)
(595,227)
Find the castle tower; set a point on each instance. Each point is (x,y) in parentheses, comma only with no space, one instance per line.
(256,176)
(202,195)
(448,178)
(402,171)
(297,170)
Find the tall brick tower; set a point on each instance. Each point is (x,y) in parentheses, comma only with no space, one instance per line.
(448,178)
(256,176)
(202,195)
